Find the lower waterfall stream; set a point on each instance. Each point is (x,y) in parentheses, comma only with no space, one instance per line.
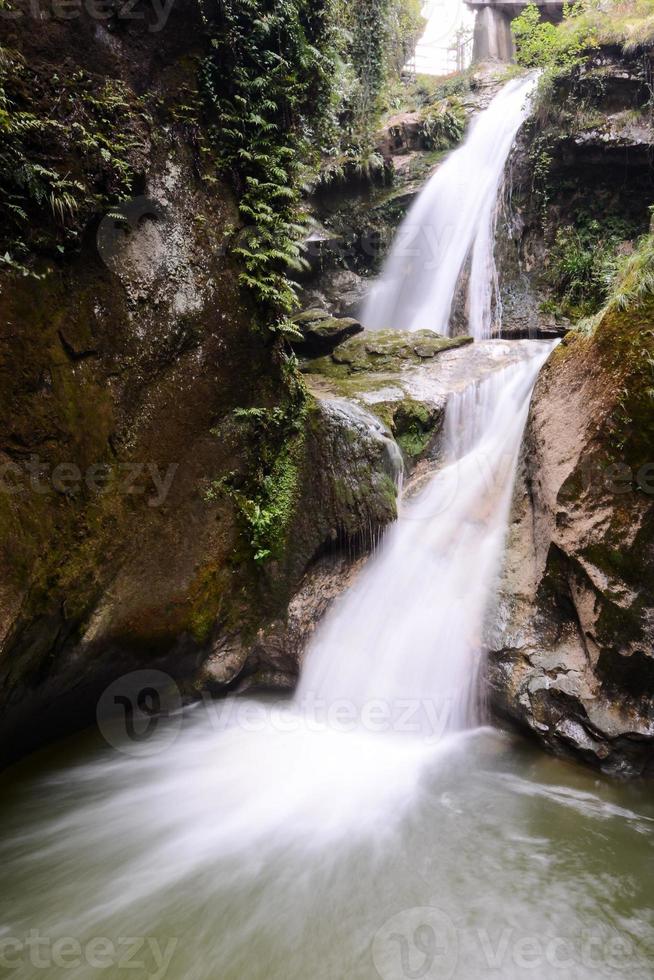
(372,826)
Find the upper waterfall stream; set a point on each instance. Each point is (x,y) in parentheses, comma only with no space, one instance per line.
(453,222)
(371,827)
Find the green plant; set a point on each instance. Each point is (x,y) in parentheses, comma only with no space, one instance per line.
(442,124)
(267,90)
(62,157)
(583,263)
(266,494)
(540,44)
(635,281)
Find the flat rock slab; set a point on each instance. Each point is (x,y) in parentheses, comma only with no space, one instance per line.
(383,350)
(379,367)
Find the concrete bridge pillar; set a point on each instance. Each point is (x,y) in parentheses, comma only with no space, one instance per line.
(493,40)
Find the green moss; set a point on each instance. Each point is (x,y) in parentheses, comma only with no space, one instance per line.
(208,594)
(389,492)
(626,342)
(413,426)
(265,491)
(384,350)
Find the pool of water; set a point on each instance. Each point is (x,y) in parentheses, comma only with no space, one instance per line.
(287,852)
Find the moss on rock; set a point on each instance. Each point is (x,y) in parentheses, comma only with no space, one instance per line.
(383,350)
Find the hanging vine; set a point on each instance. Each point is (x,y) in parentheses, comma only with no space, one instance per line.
(267,88)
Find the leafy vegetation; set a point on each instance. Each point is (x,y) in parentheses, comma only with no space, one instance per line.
(586,25)
(265,496)
(631,285)
(583,262)
(443,124)
(414,94)
(540,44)
(628,23)
(288,83)
(635,281)
(267,88)
(62,157)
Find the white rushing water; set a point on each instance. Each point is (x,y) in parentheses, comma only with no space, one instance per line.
(451,224)
(409,631)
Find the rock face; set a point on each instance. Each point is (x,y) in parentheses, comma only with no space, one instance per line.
(584,157)
(350,471)
(383,350)
(340,291)
(121,370)
(571,648)
(114,369)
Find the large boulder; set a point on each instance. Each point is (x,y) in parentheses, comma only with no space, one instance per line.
(349,475)
(386,350)
(572,644)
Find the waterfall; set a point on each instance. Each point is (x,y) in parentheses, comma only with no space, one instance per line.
(277,839)
(408,634)
(452,223)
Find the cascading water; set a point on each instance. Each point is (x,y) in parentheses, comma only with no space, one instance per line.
(409,631)
(361,829)
(452,222)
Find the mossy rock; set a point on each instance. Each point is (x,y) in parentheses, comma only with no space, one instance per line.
(414,425)
(385,350)
(322,332)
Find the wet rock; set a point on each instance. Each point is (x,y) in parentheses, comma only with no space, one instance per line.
(409,393)
(401,133)
(572,643)
(224,663)
(415,425)
(321,332)
(321,245)
(381,350)
(279,649)
(348,495)
(340,291)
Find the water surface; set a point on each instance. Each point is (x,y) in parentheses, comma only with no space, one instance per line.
(251,852)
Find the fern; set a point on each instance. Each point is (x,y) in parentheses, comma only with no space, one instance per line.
(267,86)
